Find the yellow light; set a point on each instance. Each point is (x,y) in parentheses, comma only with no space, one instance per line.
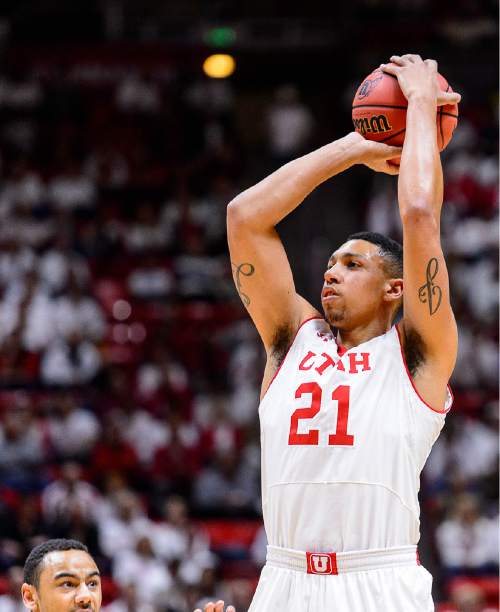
(219,66)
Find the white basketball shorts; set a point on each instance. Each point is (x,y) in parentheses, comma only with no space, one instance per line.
(383,580)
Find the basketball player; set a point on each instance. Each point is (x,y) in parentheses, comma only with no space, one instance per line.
(61,576)
(351,404)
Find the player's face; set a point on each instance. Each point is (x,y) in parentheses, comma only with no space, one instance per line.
(69,582)
(354,285)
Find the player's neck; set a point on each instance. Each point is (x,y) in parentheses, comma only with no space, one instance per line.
(350,338)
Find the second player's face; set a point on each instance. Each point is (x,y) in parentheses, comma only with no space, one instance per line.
(69,582)
(354,285)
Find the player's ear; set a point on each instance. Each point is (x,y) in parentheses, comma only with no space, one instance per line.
(393,289)
(30,597)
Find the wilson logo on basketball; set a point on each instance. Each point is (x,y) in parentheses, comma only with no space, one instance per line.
(367,87)
(375,124)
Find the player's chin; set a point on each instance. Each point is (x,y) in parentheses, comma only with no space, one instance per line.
(334,316)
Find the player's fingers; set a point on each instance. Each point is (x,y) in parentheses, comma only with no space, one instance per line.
(219,606)
(390,69)
(412,58)
(231,609)
(210,607)
(197,610)
(397,59)
(450,97)
(432,63)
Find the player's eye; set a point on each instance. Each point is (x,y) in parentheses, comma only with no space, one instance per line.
(352,264)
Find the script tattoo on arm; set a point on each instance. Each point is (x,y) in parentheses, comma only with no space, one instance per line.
(239,270)
(430,293)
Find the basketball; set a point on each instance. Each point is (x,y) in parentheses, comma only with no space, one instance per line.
(379,111)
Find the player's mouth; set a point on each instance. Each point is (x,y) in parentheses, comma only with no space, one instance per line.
(328,295)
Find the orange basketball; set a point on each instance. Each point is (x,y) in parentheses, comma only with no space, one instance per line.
(379,111)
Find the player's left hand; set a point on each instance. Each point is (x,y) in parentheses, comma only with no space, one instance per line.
(216,607)
(376,155)
(418,77)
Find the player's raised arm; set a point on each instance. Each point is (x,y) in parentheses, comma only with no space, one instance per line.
(261,270)
(428,323)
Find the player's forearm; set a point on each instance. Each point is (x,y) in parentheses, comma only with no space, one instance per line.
(265,204)
(420,185)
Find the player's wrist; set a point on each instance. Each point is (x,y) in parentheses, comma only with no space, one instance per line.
(357,147)
(422,99)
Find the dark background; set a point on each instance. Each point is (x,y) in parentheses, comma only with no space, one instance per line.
(181,360)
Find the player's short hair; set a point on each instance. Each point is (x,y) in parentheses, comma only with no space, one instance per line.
(390,250)
(33,564)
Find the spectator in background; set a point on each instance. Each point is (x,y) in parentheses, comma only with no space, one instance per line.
(141,568)
(21,446)
(227,485)
(77,312)
(18,367)
(176,538)
(145,233)
(120,530)
(112,453)
(72,430)
(199,276)
(12,601)
(16,260)
(20,527)
(60,267)
(178,460)
(138,93)
(27,307)
(144,433)
(69,493)
(290,124)
(75,361)
(71,190)
(128,602)
(151,279)
(24,187)
(468,542)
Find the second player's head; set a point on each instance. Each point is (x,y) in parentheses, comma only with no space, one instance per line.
(61,576)
(363,281)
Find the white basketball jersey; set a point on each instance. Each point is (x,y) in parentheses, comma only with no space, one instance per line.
(344,437)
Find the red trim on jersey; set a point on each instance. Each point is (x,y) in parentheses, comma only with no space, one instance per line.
(418,558)
(413,384)
(286,354)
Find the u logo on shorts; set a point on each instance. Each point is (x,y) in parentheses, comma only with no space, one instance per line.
(321,563)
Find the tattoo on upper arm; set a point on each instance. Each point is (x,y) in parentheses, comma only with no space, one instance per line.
(430,293)
(239,270)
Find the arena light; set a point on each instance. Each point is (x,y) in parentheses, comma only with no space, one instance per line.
(219,65)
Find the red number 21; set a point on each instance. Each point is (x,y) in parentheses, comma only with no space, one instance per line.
(311,438)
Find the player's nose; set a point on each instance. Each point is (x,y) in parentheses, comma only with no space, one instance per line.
(332,275)
(83,597)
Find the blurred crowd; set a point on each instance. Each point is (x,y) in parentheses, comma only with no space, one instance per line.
(129,372)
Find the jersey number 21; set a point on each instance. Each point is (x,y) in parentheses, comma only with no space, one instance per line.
(340,438)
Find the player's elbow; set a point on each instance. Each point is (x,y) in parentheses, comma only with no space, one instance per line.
(235,214)
(239,214)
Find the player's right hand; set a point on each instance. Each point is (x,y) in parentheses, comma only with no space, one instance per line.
(418,77)
(216,607)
